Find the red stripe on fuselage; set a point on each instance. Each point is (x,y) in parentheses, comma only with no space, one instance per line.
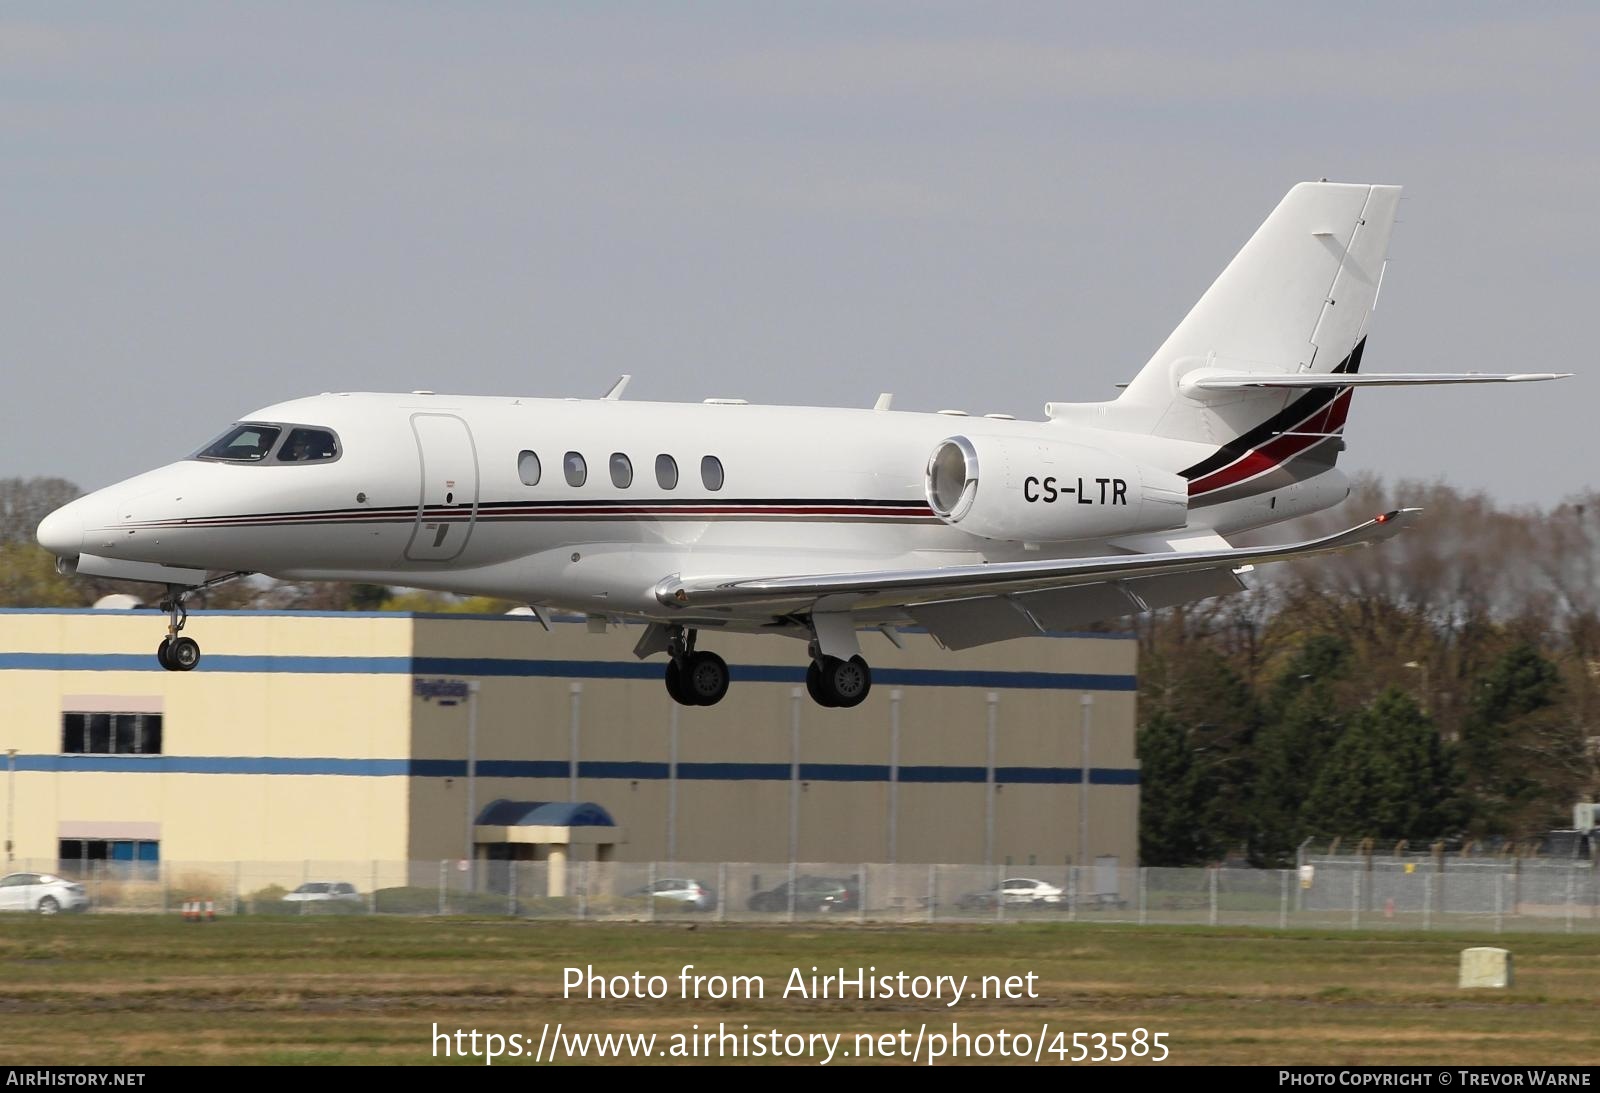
(1279,450)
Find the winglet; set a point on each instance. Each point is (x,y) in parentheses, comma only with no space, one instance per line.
(615,393)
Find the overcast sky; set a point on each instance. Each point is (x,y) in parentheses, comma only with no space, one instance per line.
(212,207)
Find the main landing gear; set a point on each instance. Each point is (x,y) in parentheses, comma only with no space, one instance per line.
(838,683)
(180,654)
(700,678)
(694,678)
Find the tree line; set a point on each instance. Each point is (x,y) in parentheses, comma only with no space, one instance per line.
(1440,686)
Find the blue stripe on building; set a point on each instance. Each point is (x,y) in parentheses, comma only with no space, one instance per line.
(631,770)
(492,667)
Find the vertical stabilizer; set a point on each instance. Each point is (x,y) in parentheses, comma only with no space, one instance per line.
(1295,299)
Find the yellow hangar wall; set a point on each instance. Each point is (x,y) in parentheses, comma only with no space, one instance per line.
(235,777)
(306,736)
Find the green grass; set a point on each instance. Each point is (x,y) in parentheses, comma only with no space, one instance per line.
(128,989)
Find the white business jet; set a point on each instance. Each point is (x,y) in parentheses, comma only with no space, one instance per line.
(814,522)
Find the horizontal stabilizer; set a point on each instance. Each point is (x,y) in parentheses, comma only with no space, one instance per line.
(1212,381)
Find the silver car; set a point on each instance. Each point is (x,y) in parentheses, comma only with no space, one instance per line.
(681,894)
(1014,892)
(42,893)
(324,892)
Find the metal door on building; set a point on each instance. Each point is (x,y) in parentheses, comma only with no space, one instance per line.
(448,506)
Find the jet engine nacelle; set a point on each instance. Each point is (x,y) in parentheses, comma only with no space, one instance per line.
(1045,491)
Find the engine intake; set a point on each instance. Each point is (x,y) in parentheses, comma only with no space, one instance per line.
(1045,491)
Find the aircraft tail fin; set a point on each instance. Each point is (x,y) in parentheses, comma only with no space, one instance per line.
(1295,300)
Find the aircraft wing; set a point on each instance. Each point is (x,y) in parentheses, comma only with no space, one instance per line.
(920,589)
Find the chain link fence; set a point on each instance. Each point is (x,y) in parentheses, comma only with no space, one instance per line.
(1346,893)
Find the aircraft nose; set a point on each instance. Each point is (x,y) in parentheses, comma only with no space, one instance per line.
(61,533)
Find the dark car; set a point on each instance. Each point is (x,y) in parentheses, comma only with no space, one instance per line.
(811,894)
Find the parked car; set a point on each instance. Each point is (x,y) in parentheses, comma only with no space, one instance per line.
(44,893)
(811,894)
(681,894)
(324,892)
(1014,892)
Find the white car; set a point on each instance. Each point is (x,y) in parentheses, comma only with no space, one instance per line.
(681,893)
(324,892)
(1014,892)
(44,893)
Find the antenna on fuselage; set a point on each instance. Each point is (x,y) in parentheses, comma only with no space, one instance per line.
(615,394)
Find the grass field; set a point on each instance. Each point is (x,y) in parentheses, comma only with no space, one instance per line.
(124,989)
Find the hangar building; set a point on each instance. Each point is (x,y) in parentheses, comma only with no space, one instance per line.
(388,737)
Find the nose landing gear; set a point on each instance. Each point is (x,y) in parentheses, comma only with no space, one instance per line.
(694,678)
(177,654)
(180,654)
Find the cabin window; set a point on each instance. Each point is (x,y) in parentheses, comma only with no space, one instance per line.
(242,444)
(621,471)
(576,470)
(666,472)
(528,468)
(308,446)
(711,473)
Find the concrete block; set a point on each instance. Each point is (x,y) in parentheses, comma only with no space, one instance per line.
(1485,967)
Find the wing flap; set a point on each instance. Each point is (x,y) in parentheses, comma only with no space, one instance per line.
(866,590)
(1175,588)
(964,624)
(1074,608)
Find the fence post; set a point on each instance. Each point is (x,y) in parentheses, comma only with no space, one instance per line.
(650,891)
(1427,902)
(1212,884)
(1283,899)
(791,887)
(372,890)
(166,879)
(722,891)
(1144,894)
(1072,893)
(861,893)
(1499,902)
(442,880)
(511,888)
(933,888)
(1571,894)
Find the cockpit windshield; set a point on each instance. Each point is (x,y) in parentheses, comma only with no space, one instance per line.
(242,444)
(255,442)
(307,445)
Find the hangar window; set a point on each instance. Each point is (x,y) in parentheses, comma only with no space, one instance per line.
(528,468)
(621,471)
(666,472)
(576,470)
(711,473)
(242,444)
(116,857)
(111,733)
(309,446)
